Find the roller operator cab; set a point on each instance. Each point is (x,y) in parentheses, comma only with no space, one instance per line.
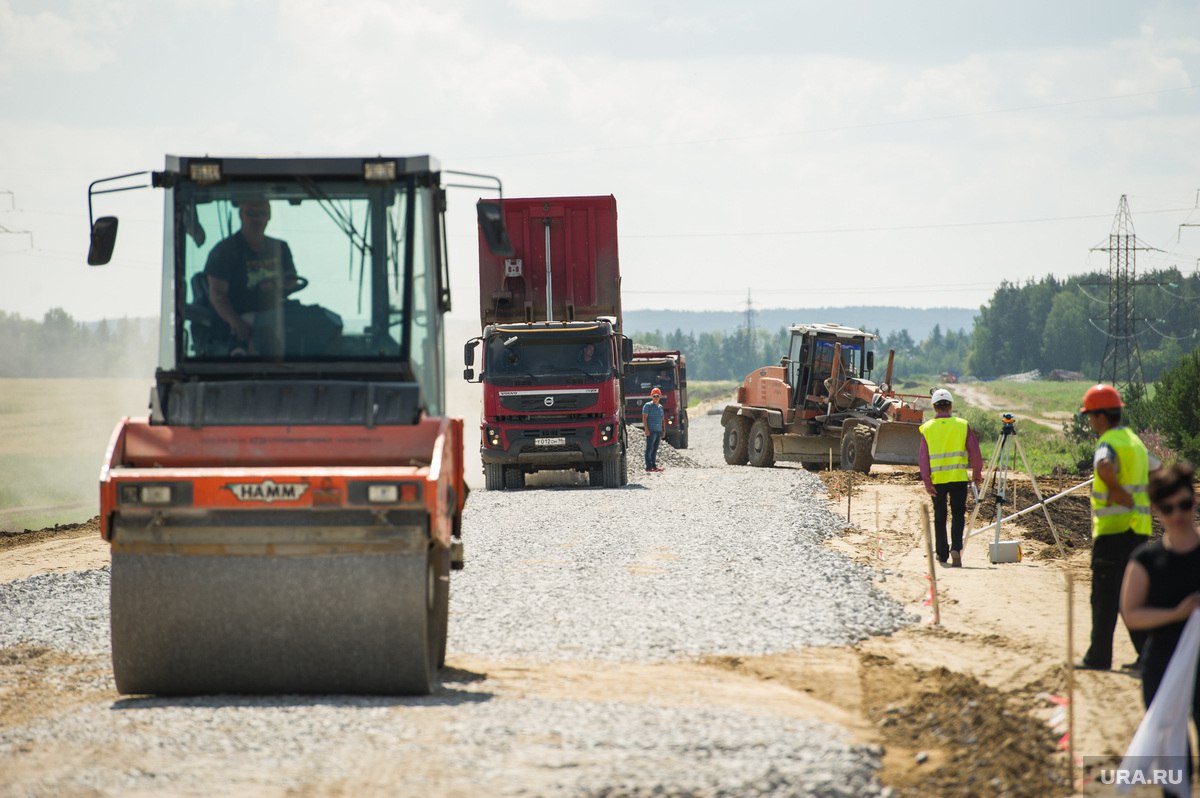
(286,518)
(666,371)
(551,350)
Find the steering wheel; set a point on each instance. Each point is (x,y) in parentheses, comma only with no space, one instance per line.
(301,284)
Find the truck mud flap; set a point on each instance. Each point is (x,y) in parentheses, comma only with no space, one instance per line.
(897,444)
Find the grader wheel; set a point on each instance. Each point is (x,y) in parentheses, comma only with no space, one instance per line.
(856,449)
(737,434)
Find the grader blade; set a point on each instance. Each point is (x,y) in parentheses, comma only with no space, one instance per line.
(897,444)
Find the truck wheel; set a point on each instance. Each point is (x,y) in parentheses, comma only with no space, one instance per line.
(612,472)
(683,434)
(737,432)
(624,469)
(514,478)
(493,476)
(595,476)
(856,449)
(761,449)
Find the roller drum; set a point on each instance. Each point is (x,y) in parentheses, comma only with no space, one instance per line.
(366,623)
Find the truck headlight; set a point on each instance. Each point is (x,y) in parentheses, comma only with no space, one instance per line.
(492,435)
(670,421)
(606,433)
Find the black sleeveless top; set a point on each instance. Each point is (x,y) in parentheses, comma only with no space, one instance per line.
(1173,577)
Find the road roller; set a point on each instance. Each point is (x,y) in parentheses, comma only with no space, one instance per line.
(286,517)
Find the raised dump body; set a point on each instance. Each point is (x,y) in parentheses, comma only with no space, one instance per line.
(287,517)
(565,266)
(552,349)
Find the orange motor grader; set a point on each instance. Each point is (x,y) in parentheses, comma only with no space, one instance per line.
(819,406)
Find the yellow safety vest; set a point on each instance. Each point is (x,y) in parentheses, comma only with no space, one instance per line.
(1109,518)
(946,439)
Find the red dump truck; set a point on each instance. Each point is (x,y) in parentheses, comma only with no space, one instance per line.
(666,371)
(552,348)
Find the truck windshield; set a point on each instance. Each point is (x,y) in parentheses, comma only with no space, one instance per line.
(640,378)
(514,359)
(296,270)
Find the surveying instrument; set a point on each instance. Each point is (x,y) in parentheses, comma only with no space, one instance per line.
(997,472)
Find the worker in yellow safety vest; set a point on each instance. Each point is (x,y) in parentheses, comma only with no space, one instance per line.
(949,448)
(1120,518)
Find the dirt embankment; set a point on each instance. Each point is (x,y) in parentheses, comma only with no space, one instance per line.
(985,703)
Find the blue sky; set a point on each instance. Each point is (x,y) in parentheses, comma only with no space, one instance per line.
(817,154)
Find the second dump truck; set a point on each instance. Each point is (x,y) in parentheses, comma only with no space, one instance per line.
(666,371)
(552,348)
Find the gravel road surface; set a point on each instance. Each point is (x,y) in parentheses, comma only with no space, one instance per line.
(578,636)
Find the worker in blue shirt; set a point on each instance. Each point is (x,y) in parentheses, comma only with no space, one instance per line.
(652,425)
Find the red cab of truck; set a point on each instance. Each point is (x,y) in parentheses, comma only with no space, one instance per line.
(552,350)
(666,371)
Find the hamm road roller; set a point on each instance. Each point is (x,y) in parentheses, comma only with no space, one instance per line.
(286,518)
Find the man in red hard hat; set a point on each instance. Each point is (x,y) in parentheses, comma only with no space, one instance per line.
(652,425)
(1120,517)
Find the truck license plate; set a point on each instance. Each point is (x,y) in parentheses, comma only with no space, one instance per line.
(549,441)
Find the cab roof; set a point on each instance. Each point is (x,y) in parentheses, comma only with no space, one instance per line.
(835,330)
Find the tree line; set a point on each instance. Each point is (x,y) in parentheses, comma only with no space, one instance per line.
(60,346)
(1048,324)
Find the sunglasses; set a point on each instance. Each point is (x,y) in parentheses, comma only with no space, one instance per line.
(1183,505)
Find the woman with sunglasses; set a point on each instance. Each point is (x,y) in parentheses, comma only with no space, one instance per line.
(1162,581)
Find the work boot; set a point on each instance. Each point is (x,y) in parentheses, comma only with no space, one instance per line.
(956,559)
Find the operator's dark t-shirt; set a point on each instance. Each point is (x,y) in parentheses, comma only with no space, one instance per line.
(233,261)
(1173,577)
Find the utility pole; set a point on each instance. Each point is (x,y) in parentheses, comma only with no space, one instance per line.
(12,206)
(1121,366)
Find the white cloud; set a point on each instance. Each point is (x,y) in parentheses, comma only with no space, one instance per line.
(43,41)
(561,10)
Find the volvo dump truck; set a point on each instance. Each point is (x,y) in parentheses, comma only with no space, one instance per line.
(552,348)
(286,518)
(819,406)
(666,371)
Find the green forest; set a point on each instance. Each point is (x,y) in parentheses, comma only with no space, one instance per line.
(1045,325)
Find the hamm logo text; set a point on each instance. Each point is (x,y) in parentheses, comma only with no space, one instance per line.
(267,491)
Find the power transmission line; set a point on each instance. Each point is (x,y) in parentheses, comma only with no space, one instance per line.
(1121,365)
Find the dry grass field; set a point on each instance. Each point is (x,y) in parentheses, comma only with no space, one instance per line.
(53,433)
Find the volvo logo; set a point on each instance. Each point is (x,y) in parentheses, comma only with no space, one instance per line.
(548,401)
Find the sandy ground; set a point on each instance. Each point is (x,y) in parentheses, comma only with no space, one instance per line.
(961,707)
(1004,625)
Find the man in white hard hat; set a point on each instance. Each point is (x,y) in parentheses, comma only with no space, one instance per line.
(949,448)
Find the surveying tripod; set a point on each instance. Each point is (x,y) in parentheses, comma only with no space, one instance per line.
(997,471)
